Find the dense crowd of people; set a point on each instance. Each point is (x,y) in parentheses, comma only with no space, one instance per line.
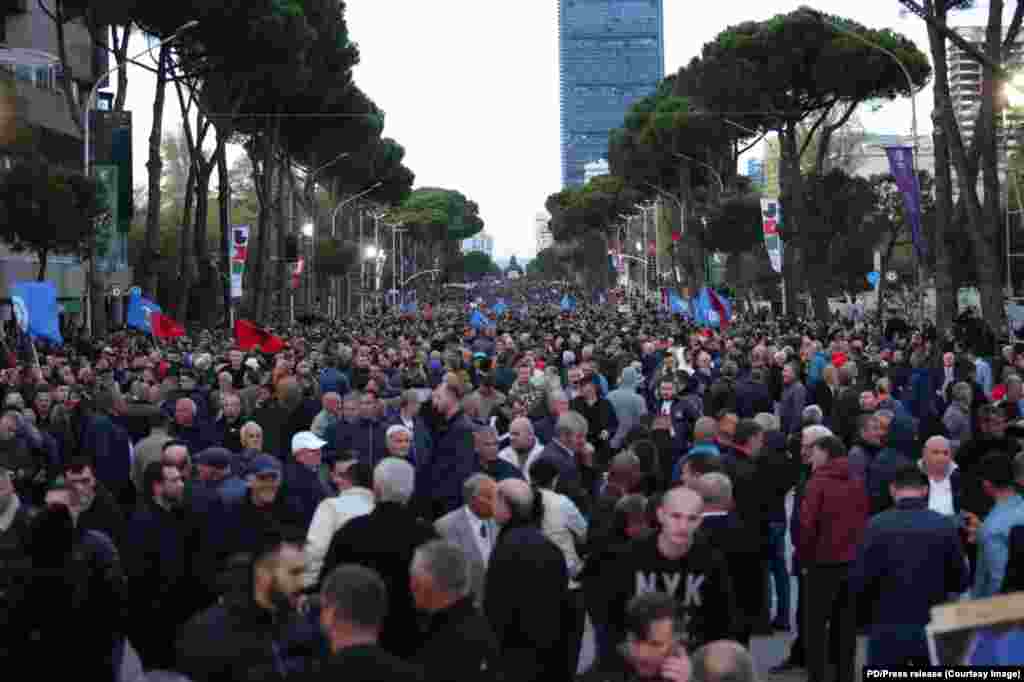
(414,497)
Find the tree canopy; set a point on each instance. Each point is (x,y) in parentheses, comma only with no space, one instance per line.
(436,214)
(45,209)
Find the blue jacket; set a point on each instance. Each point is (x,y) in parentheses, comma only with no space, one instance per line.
(110,447)
(333,381)
(454,460)
(157,564)
(367,437)
(899,451)
(304,489)
(911,560)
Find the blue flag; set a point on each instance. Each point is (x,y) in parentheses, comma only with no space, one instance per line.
(568,304)
(500,307)
(139,311)
(901,164)
(35,308)
(677,305)
(477,320)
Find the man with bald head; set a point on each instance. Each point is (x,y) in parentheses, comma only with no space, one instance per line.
(678,561)
(189,427)
(722,661)
(523,448)
(943,476)
(527,590)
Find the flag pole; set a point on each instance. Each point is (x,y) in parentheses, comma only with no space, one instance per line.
(35,355)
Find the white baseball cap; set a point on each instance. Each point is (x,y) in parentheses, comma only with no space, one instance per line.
(307,440)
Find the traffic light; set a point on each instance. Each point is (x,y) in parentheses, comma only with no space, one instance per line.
(291,247)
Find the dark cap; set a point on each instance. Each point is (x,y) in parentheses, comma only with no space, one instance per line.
(264,464)
(215,457)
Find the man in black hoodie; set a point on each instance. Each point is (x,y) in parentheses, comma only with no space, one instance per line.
(678,561)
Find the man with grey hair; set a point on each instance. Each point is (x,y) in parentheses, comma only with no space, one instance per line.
(558,404)
(384,540)
(530,627)
(472,527)
(523,448)
(458,643)
(739,543)
(722,661)
(356,605)
(812,414)
(568,451)
(485,441)
(808,437)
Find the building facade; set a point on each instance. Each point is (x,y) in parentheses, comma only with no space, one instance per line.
(611,53)
(481,242)
(542,231)
(38,123)
(965,80)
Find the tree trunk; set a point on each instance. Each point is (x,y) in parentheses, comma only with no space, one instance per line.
(149,264)
(283,227)
(121,57)
(224,212)
(991,266)
(791,197)
(200,276)
(186,262)
(945,290)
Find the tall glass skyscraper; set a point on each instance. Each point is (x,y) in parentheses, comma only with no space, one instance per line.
(612,53)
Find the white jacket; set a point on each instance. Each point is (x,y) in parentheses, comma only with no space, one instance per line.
(332,514)
(564,525)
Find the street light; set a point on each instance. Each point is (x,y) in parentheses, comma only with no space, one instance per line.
(89,103)
(334,214)
(307,230)
(721,185)
(371,252)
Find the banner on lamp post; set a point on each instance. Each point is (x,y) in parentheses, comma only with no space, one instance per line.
(238,252)
(771,219)
(901,164)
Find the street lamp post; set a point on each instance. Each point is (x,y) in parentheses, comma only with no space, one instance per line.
(721,185)
(89,103)
(334,234)
(913,118)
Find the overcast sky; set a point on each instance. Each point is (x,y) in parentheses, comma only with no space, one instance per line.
(470,89)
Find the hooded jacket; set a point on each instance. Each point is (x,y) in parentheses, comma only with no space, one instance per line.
(833,515)
(629,405)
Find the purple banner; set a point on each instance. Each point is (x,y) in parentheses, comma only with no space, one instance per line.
(901,163)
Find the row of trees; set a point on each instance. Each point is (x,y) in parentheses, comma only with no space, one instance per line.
(282,90)
(801,79)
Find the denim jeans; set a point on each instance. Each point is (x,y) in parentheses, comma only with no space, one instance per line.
(777,569)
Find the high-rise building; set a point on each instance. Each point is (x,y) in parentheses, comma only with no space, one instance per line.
(611,53)
(481,242)
(542,231)
(965,78)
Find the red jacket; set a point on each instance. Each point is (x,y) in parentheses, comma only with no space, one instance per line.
(833,515)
